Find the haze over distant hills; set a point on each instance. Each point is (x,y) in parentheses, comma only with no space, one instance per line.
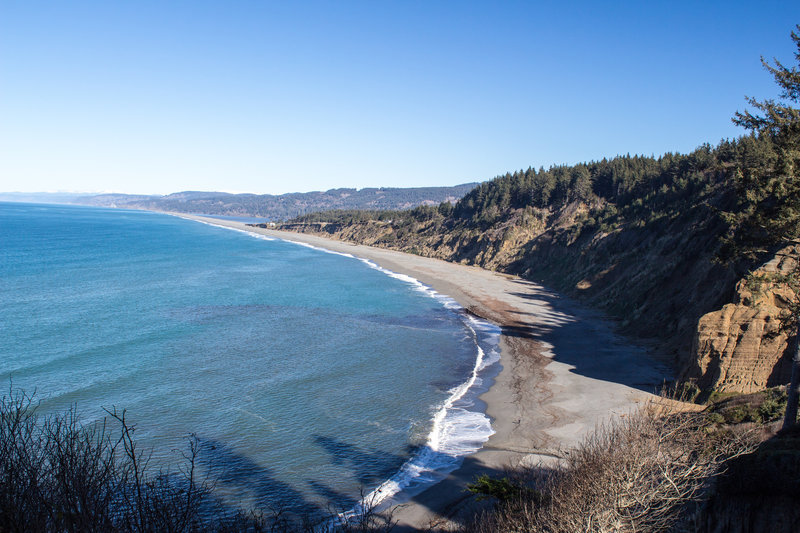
(268,206)
(43,197)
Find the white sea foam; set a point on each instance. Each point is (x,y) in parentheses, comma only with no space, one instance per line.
(458,427)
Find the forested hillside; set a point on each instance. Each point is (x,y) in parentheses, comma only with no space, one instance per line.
(635,236)
(655,242)
(284,206)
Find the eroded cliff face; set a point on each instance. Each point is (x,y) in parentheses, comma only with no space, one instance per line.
(742,347)
(659,280)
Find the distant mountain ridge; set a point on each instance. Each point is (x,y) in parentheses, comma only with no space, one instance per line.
(284,206)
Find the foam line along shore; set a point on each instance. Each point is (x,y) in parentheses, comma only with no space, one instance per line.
(459,426)
(564,370)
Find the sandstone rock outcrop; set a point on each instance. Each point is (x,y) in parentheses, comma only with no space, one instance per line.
(742,347)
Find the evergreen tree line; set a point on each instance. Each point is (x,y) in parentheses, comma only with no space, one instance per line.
(628,189)
(655,241)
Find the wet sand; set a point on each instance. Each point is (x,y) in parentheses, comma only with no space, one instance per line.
(564,371)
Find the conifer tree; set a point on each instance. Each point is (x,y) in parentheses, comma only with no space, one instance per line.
(769,198)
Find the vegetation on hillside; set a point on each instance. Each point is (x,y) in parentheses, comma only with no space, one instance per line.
(651,471)
(638,237)
(283,206)
(662,469)
(769,203)
(612,193)
(655,241)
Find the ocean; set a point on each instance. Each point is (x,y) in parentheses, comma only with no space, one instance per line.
(308,377)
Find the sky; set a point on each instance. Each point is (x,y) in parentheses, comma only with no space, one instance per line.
(273,97)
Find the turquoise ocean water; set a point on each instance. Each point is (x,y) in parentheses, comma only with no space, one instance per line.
(307,376)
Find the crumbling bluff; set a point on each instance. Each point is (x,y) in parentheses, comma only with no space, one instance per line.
(743,347)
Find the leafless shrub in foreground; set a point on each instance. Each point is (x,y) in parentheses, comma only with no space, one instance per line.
(57,474)
(649,471)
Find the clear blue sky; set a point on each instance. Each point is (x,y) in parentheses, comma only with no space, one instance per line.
(157,97)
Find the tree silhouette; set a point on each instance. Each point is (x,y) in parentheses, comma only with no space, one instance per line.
(770,197)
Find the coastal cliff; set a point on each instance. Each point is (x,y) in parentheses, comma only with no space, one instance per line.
(641,239)
(742,347)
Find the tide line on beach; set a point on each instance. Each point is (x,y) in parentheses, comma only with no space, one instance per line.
(460,426)
(563,370)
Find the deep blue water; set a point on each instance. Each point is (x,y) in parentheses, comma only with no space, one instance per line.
(307,376)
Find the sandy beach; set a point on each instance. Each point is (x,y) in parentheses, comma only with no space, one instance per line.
(564,371)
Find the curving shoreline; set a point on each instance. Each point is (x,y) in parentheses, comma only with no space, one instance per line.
(458,430)
(563,373)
